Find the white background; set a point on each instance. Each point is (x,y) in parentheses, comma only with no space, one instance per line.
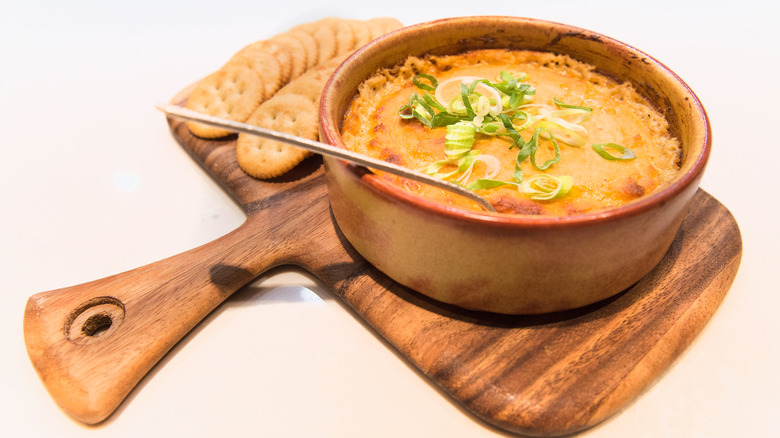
(92,184)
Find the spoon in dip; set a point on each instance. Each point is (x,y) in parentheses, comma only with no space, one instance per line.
(181,113)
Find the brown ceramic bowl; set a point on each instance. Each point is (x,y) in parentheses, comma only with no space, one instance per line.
(509,263)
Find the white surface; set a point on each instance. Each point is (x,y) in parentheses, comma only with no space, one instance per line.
(92,184)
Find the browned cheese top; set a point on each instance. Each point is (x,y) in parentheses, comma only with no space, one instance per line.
(373,126)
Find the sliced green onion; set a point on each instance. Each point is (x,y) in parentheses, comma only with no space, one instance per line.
(569,132)
(407,111)
(433,82)
(544,187)
(570,135)
(516,99)
(601,149)
(507,122)
(487,184)
(493,166)
(459,139)
(473,84)
(582,115)
(431,100)
(476,86)
(466,98)
(535,140)
(515,91)
(417,108)
(456,106)
(485,88)
(526,148)
(462,164)
(500,109)
(563,105)
(463,105)
(422,108)
(483,109)
(522,116)
(492,128)
(444,118)
(506,76)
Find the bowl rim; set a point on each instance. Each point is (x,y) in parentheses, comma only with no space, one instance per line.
(331,131)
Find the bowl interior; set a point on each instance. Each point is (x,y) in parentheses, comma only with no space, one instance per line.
(663,89)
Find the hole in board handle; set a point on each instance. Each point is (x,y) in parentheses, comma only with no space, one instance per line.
(94,320)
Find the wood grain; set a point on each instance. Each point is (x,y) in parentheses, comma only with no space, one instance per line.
(542,375)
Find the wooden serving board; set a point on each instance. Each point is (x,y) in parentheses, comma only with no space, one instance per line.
(536,375)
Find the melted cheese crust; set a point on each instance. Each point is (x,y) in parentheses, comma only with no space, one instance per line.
(373,127)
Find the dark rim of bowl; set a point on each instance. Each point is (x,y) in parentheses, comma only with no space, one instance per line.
(332,134)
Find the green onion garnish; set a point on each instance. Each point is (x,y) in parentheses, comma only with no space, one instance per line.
(500,108)
(466,97)
(544,187)
(444,118)
(487,184)
(601,149)
(462,164)
(521,156)
(433,82)
(569,135)
(430,100)
(563,105)
(492,163)
(512,87)
(535,147)
(417,108)
(459,139)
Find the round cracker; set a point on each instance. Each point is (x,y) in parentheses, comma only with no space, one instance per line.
(345,37)
(323,35)
(309,45)
(361,31)
(263,158)
(232,92)
(283,57)
(382,25)
(257,57)
(296,52)
(310,84)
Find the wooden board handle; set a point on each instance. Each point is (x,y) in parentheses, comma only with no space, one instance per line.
(92,343)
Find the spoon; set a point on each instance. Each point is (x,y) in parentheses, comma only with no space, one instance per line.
(181,113)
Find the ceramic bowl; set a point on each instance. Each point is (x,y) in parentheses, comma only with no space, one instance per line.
(511,264)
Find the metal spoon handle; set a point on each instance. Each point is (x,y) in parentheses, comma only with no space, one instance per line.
(182,113)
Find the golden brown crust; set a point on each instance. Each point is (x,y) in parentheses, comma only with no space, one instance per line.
(620,115)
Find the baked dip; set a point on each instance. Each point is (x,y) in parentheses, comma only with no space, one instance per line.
(534,133)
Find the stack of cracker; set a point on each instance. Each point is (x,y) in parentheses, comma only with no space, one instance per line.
(276,84)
